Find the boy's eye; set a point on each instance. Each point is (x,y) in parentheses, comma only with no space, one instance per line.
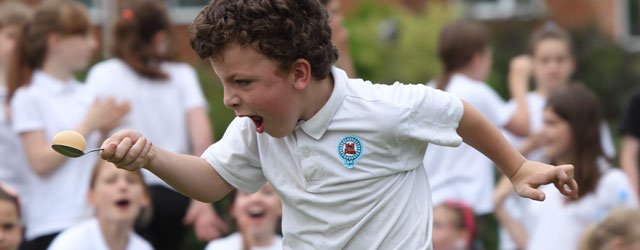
(242,82)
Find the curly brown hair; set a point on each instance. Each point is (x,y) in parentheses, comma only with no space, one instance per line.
(281,30)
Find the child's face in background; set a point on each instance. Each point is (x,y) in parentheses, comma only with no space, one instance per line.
(118,194)
(8,36)
(552,63)
(556,135)
(10,226)
(255,87)
(335,13)
(446,233)
(74,51)
(484,64)
(257,213)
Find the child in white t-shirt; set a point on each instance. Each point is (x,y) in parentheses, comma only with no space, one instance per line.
(344,155)
(13,167)
(571,135)
(257,216)
(45,99)
(550,64)
(118,197)
(463,173)
(167,105)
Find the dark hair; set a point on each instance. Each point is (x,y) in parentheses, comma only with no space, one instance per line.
(14,13)
(6,196)
(457,44)
(133,33)
(281,30)
(66,18)
(581,109)
(550,30)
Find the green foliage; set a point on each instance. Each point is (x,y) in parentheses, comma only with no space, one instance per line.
(411,57)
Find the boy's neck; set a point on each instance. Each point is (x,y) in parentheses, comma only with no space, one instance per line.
(261,239)
(469,72)
(316,96)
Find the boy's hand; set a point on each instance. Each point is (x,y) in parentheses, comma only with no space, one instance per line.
(127,149)
(533,174)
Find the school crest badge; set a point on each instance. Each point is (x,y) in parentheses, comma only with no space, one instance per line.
(350,149)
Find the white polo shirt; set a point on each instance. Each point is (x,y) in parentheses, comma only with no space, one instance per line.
(463,173)
(88,235)
(351,177)
(58,200)
(158,107)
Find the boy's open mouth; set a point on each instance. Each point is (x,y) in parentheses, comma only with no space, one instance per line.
(123,203)
(258,121)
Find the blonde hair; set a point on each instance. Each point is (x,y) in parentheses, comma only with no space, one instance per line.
(621,223)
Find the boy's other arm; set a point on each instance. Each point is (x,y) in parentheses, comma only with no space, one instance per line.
(190,175)
(526,176)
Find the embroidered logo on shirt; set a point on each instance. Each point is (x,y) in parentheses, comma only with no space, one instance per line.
(350,149)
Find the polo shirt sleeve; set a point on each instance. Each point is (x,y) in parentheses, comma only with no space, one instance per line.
(235,157)
(191,91)
(434,117)
(25,114)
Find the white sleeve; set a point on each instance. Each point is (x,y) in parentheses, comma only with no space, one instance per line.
(235,157)
(607,141)
(25,113)
(490,105)
(192,93)
(615,190)
(434,117)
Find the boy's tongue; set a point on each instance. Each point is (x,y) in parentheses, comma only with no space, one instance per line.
(257,120)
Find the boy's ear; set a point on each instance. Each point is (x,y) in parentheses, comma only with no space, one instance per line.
(301,74)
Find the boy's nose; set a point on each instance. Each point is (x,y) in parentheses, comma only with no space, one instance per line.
(231,101)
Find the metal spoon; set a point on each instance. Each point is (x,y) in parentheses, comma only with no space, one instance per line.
(69,151)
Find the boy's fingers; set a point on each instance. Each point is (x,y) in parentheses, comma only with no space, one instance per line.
(532,193)
(121,151)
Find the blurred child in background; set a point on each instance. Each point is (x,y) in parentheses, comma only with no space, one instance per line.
(14,169)
(45,99)
(550,63)
(463,173)
(167,105)
(11,228)
(257,217)
(571,135)
(619,231)
(453,226)
(118,197)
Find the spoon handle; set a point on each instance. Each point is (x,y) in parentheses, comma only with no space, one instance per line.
(94,150)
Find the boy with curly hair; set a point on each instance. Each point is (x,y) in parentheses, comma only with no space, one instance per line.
(344,155)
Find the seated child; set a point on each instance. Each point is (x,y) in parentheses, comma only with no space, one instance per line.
(257,216)
(118,197)
(453,226)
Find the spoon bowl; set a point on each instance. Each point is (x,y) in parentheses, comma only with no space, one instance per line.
(70,144)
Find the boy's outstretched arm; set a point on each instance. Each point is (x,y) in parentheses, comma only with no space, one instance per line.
(190,175)
(526,176)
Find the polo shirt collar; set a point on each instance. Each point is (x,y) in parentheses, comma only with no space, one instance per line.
(318,124)
(52,84)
